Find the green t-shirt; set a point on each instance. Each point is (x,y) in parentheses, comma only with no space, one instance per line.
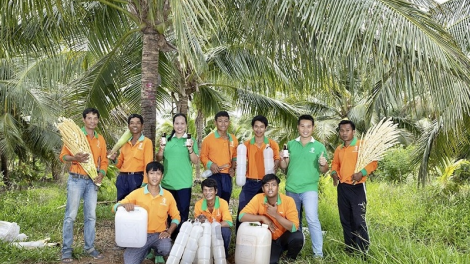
(177,164)
(303,172)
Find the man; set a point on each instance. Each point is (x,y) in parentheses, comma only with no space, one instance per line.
(134,155)
(351,188)
(219,154)
(255,169)
(212,208)
(159,204)
(307,159)
(278,211)
(80,186)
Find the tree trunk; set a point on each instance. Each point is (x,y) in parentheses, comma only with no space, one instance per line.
(150,80)
(199,131)
(4,169)
(182,105)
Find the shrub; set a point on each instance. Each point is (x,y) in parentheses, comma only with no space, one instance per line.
(396,166)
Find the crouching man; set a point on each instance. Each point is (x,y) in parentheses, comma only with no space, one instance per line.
(212,208)
(279,212)
(159,204)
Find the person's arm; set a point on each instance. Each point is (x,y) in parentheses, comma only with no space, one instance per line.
(167,233)
(335,167)
(323,162)
(161,149)
(226,216)
(276,155)
(193,151)
(286,223)
(204,156)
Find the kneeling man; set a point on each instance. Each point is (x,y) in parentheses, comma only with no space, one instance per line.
(159,204)
(279,212)
(212,208)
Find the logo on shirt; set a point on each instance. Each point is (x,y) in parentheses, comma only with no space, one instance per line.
(356,149)
(312,150)
(140,146)
(163,201)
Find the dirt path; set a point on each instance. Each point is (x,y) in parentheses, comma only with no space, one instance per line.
(105,243)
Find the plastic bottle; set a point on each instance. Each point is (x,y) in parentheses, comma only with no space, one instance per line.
(163,142)
(188,140)
(206,173)
(268,160)
(285,151)
(241,165)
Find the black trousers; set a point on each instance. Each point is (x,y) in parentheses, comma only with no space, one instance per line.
(352,203)
(292,242)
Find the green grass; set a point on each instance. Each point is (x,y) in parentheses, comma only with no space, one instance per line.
(406,224)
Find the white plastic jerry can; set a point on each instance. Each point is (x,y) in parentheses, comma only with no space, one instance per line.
(131,227)
(253,244)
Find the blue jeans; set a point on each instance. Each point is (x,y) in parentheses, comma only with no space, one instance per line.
(126,183)
(309,200)
(224,185)
(183,200)
(226,235)
(161,247)
(78,189)
(249,190)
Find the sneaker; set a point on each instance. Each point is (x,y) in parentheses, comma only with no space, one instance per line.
(159,260)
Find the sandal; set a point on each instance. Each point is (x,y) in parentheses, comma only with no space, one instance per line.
(67,260)
(96,255)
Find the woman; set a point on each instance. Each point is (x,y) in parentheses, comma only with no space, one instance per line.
(177,154)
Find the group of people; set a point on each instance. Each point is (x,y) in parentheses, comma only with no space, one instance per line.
(164,189)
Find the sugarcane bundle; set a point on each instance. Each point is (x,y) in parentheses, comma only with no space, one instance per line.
(122,140)
(376,142)
(75,141)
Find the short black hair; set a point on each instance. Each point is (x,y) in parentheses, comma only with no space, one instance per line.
(90,110)
(209,182)
(260,118)
(269,177)
(221,113)
(345,122)
(306,117)
(135,116)
(154,166)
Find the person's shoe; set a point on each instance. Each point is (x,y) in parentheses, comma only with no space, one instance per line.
(96,255)
(159,260)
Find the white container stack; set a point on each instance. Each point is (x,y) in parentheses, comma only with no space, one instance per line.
(131,227)
(180,243)
(241,165)
(218,249)
(192,245)
(268,160)
(204,250)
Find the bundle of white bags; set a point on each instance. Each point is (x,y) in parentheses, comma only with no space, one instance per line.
(10,232)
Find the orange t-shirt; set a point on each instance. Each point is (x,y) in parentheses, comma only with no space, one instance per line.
(219,214)
(135,158)
(255,157)
(344,162)
(98,150)
(285,207)
(218,150)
